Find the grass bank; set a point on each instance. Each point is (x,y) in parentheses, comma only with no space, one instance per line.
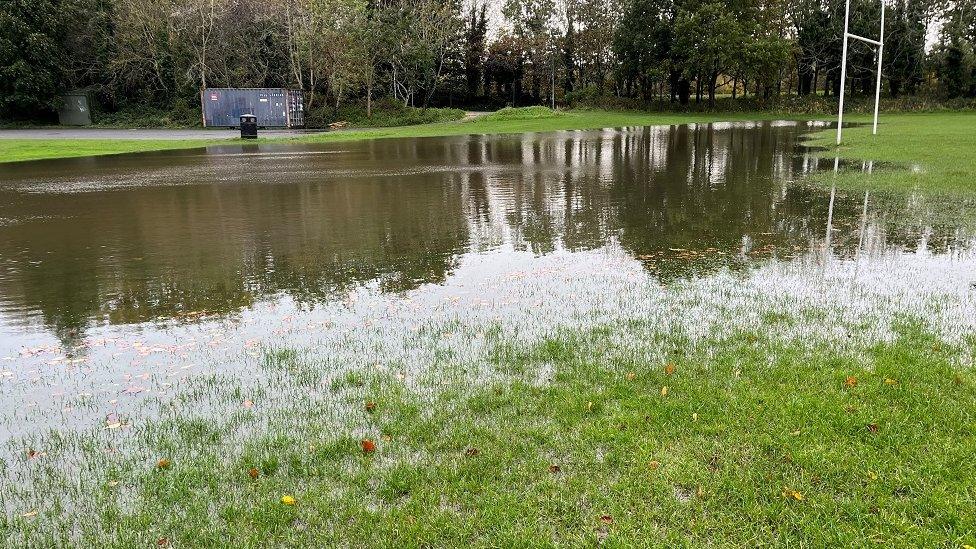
(20,150)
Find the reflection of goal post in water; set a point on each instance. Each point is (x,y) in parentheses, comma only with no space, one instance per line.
(843,67)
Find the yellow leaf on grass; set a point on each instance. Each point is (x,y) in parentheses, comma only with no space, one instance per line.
(288,500)
(851,381)
(889,381)
(664,391)
(792,494)
(668,369)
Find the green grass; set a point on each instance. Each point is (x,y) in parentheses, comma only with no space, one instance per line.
(532,119)
(933,151)
(19,150)
(756,443)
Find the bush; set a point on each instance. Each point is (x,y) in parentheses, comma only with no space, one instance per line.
(522,113)
(386,113)
(179,116)
(810,104)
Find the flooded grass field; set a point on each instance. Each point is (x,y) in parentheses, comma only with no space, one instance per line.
(188,336)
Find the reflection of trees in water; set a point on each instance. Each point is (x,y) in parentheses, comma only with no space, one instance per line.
(398,213)
(142,254)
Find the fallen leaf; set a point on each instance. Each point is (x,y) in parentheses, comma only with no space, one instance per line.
(873,427)
(370,406)
(589,406)
(368,446)
(792,494)
(631,376)
(253,473)
(248,403)
(664,391)
(606,519)
(288,500)
(554,468)
(889,381)
(851,381)
(872,475)
(386,438)
(694,416)
(668,369)
(655,464)
(31,454)
(162,542)
(163,464)
(29,514)
(113,483)
(471,452)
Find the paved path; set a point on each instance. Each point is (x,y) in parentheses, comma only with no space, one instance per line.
(146,134)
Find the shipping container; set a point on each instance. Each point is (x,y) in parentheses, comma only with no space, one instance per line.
(274,107)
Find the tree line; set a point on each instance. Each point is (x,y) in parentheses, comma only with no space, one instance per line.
(420,53)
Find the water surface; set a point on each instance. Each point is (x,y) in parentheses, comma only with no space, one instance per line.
(120,275)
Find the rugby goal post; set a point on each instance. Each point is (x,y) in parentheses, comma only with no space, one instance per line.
(843,67)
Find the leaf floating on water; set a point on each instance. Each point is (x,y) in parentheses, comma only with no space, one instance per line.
(851,381)
(668,369)
(288,500)
(368,446)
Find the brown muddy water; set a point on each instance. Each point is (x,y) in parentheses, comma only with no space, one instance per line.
(122,276)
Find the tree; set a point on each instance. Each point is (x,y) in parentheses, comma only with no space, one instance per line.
(475,39)
(32,58)
(708,42)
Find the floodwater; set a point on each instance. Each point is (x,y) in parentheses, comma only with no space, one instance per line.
(122,275)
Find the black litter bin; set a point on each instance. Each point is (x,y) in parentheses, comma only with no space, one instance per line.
(249,126)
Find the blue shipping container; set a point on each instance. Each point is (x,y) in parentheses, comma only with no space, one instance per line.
(274,107)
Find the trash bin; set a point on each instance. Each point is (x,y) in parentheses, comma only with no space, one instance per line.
(249,126)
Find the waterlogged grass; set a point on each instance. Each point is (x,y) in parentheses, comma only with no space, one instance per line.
(580,439)
(934,151)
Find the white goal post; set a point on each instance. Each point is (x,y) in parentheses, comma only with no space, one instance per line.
(843,67)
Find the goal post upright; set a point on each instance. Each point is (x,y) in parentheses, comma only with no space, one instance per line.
(843,67)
